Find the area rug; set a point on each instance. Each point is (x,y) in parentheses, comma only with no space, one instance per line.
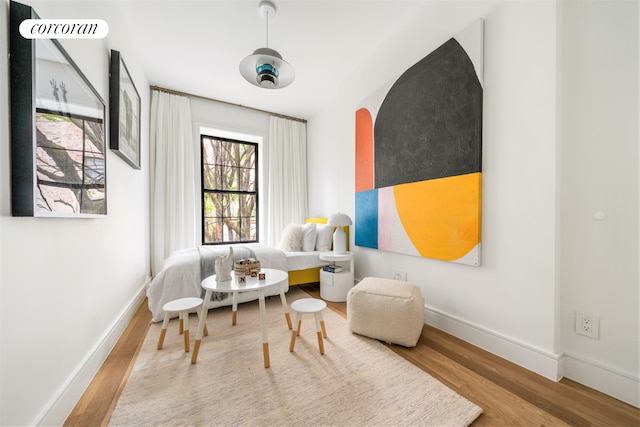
(357,382)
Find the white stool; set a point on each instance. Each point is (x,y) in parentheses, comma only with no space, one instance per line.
(182,306)
(309,305)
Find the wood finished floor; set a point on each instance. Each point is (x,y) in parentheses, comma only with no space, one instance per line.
(508,394)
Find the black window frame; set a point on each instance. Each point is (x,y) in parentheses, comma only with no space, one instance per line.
(204,192)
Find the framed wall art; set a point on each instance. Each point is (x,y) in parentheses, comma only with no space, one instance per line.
(124,116)
(58,164)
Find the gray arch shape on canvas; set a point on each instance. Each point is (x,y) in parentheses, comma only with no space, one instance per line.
(430,122)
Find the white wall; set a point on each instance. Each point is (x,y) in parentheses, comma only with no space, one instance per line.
(511,304)
(599,146)
(69,286)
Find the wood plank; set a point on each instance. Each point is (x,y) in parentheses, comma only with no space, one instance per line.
(100,398)
(500,406)
(557,398)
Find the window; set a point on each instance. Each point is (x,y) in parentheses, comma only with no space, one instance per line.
(229,190)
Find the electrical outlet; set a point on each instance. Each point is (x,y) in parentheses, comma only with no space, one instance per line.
(400,275)
(588,325)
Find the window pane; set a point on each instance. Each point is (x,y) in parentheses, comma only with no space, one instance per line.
(247,167)
(229,180)
(229,217)
(211,169)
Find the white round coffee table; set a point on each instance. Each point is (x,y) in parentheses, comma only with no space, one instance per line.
(234,286)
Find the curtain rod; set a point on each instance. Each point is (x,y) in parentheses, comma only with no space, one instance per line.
(190,95)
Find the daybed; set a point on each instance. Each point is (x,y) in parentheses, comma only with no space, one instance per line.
(183,271)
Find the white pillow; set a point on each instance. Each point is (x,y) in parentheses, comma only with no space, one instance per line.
(291,240)
(309,237)
(324,237)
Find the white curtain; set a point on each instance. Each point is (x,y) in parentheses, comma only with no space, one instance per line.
(287,189)
(172,186)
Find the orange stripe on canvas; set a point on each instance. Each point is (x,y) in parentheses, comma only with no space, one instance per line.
(364,150)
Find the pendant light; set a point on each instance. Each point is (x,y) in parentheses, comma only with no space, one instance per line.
(265,68)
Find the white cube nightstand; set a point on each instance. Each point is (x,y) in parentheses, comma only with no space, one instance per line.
(335,286)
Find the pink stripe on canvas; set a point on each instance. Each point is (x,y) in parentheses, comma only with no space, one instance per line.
(386,206)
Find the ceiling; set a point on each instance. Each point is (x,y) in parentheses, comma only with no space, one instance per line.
(195,46)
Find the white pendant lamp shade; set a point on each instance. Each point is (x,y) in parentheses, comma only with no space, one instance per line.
(265,68)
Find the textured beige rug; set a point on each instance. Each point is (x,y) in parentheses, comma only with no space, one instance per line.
(357,382)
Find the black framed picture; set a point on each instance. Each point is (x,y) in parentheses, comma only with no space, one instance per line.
(124,112)
(58,164)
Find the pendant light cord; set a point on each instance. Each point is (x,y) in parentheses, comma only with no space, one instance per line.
(267,17)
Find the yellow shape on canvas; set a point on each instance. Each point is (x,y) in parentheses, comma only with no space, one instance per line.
(441,216)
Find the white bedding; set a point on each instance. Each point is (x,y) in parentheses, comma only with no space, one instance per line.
(180,274)
(304,260)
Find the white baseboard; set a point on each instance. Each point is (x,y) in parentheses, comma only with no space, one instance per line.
(532,358)
(623,386)
(63,402)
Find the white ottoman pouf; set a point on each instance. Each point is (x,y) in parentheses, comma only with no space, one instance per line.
(387,310)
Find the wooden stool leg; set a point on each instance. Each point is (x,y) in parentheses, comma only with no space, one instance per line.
(295,332)
(299,322)
(324,330)
(163,331)
(320,343)
(181,324)
(185,318)
(319,332)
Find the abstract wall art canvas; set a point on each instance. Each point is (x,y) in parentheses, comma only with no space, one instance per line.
(419,157)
